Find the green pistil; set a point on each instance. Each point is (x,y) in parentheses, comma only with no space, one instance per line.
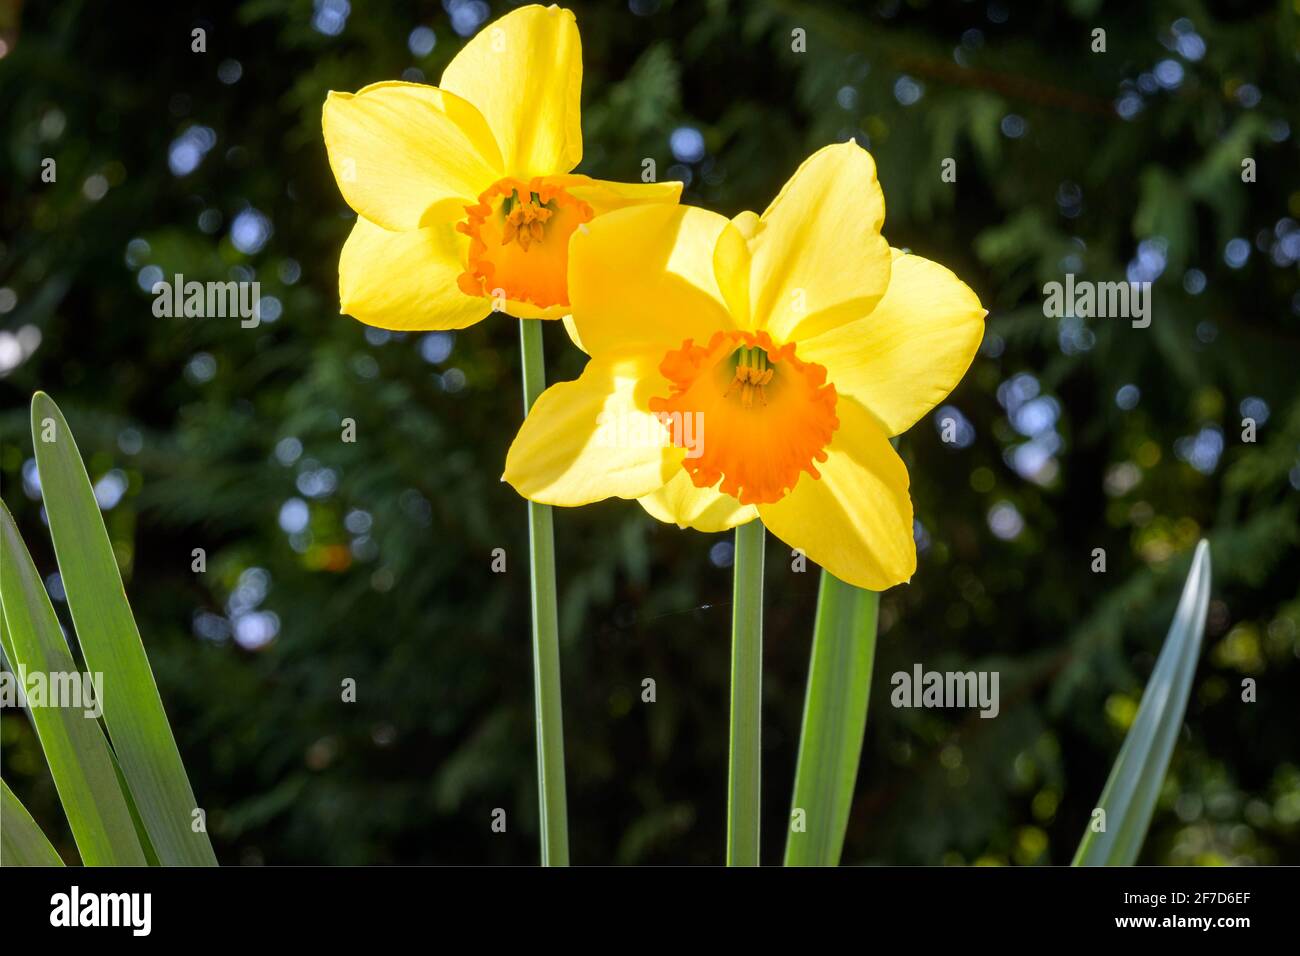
(513,200)
(751,356)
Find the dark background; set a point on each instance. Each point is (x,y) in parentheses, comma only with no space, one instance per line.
(371,560)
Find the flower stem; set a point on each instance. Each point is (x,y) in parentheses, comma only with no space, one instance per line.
(834,722)
(546,644)
(743,765)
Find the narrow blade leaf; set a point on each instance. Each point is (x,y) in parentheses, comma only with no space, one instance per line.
(73,742)
(21,841)
(133,711)
(1129,797)
(834,722)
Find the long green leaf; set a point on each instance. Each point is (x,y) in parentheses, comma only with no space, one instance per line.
(133,712)
(834,722)
(21,841)
(1129,797)
(73,742)
(141,834)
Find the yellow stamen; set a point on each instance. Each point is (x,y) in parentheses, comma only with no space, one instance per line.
(752,375)
(524,221)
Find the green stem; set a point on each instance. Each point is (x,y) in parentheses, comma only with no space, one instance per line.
(834,722)
(546,644)
(743,766)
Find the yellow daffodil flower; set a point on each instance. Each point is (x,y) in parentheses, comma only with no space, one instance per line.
(464,197)
(756,367)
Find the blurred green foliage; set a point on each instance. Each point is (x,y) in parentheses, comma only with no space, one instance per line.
(328,560)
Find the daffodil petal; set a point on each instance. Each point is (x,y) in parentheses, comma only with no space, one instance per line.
(644,276)
(527,310)
(406,280)
(681,503)
(731,267)
(407,155)
(856,520)
(605,195)
(524,73)
(572,328)
(595,437)
(819,259)
(911,351)
(748,223)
